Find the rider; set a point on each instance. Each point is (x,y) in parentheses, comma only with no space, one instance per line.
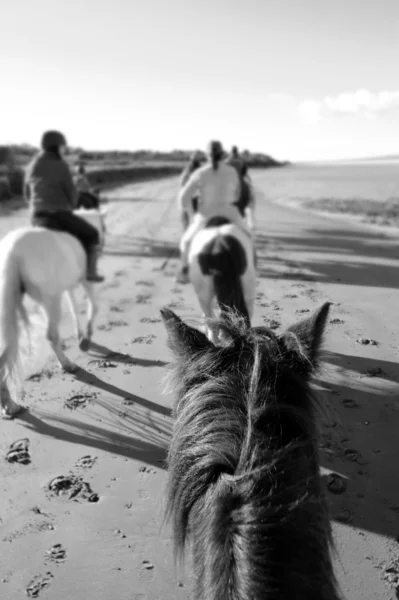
(218,188)
(194,164)
(235,160)
(82,183)
(52,197)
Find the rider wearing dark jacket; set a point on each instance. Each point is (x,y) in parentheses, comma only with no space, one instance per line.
(52,197)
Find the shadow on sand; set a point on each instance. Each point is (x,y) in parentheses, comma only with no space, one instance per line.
(368,411)
(367,258)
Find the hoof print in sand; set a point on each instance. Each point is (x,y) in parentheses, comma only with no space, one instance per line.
(73,487)
(349,403)
(374,372)
(143,298)
(336,484)
(367,342)
(116,309)
(149,284)
(19,452)
(302,310)
(148,470)
(271,323)
(78,401)
(143,339)
(336,321)
(150,320)
(38,584)
(86,462)
(354,456)
(56,554)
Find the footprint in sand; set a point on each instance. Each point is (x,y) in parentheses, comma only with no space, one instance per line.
(143,298)
(354,456)
(150,320)
(290,296)
(86,462)
(56,554)
(336,321)
(367,342)
(120,273)
(147,470)
(336,484)
(144,339)
(38,584)
(41,375)
(79,401)
(145,283)
(349,403)
(147,571)
(302,310)
(374,372)
(116,309)
(73,487)
(19,452)
(271,323)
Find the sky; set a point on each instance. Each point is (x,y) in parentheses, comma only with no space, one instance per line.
(297,79)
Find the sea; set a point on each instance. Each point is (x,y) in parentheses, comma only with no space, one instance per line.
(346,180)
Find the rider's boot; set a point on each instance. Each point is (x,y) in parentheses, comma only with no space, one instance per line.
(92,274)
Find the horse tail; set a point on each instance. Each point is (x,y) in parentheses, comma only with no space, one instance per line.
(225,260)
(11,308)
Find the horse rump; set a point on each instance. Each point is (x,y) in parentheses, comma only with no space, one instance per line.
(224,259)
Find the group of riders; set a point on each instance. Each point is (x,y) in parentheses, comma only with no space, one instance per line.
(211,186)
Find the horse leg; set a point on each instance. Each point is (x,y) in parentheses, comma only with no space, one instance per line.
(248,282)
(52,306)
(92,310)
(9,408)
(73,305)
(203,286)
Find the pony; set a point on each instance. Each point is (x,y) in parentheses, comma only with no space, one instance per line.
(244,483)
(43,264)
(222,271)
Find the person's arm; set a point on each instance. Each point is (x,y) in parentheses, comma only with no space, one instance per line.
(250,209)
(26,187)
(187,192)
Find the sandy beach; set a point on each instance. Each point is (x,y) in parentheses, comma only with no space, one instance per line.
(106,429)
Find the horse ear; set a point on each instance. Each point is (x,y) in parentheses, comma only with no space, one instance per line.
(306,337)
(182,339)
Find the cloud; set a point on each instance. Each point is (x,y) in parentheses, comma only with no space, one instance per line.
(362,102)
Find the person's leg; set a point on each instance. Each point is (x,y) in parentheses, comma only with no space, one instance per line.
(87,235)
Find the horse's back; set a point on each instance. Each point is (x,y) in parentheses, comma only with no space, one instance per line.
(53,260)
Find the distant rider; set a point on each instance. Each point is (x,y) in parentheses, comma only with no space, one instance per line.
(52,197)
(218,187)
(86,197)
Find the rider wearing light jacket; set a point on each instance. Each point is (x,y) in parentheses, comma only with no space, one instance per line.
(218,188)
(52,197)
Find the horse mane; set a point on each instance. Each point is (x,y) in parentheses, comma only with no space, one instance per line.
(244,471)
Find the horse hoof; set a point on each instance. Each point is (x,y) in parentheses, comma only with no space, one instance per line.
(84,344)
(7,413)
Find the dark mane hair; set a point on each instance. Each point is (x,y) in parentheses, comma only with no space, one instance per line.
(244,480)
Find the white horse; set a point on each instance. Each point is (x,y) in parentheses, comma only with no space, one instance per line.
(222,271)
(44,264)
